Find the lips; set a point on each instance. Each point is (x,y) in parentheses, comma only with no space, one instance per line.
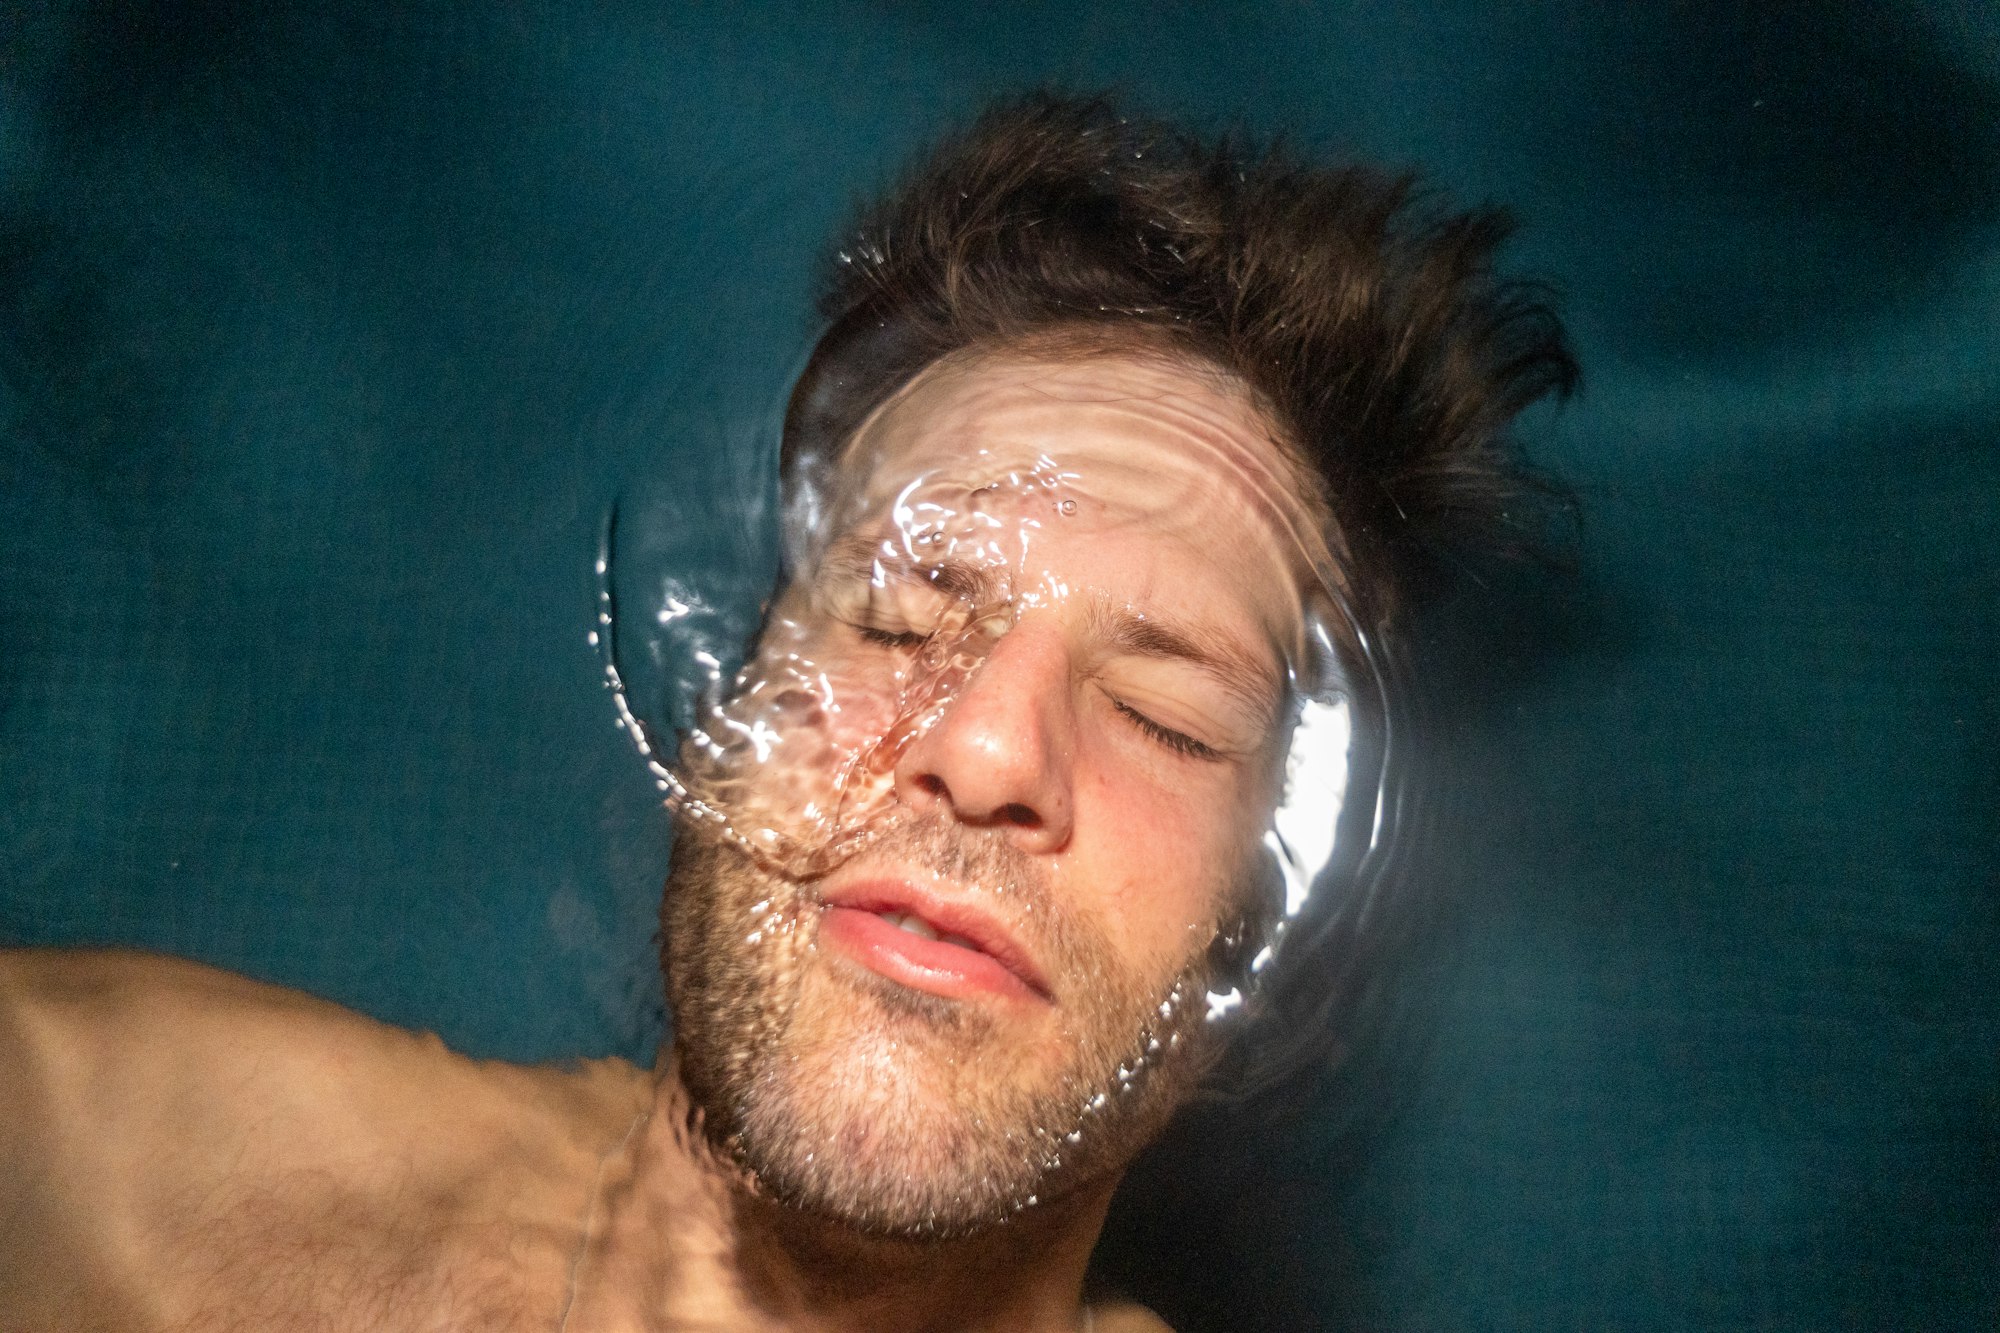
(927,941)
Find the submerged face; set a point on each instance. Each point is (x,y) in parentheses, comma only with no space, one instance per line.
(965,839)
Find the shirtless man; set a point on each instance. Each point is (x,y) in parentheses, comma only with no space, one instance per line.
(1119,448)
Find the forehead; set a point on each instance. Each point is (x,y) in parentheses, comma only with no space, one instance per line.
(1140,426)
(1138,449)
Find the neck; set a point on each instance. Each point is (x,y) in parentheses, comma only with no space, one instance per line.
(683,1236)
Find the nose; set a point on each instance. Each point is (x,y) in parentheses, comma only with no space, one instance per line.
(1000,754)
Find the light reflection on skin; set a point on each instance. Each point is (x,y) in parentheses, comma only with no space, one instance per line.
(996,496)
(1154,549)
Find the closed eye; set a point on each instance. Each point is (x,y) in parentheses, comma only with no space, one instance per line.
(891,638)
(1178,742)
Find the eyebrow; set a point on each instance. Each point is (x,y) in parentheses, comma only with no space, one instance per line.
(1248,679)
(861,556)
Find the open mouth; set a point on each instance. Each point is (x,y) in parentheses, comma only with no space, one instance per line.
(923,929)
(949,949)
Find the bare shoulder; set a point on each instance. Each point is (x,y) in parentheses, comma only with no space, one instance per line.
(122,1043)
(97,1037)
(167,1119)
(76,1004)
(1125,1317)
(115,1033)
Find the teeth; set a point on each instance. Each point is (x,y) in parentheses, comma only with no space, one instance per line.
(915,925)
(923,929)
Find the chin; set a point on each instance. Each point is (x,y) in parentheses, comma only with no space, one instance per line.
(913,1122)
(891,1111)
(901,1115)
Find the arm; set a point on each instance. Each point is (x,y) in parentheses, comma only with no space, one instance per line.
(54,1012)
(125,1082)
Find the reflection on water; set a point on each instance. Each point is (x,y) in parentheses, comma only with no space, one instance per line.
(790,757)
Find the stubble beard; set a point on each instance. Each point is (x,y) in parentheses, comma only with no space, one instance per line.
(895,1112)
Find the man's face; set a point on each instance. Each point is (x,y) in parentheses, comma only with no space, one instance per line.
(990,791)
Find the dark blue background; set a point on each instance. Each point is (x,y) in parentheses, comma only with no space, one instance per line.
(330,332)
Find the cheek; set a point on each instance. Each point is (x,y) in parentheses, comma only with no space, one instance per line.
(1157,854)
(813,702)
(862,703)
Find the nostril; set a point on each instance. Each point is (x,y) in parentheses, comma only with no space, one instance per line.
(930,784)
(1020,815)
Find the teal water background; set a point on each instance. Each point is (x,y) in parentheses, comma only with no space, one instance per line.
(329,333)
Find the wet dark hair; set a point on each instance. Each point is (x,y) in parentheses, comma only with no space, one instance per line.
(1368,320)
